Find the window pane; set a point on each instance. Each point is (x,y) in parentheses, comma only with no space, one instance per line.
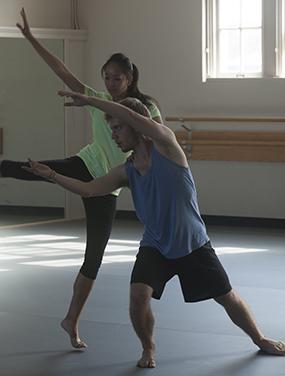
(251,51)
(251,13)
(229,13)
(229,51)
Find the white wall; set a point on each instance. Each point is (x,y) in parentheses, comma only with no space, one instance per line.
(23,75)
(49,17)
(41,13)
(163,37)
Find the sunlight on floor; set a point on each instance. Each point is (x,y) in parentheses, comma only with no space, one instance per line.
(28,238)
(59,251)
(235,250)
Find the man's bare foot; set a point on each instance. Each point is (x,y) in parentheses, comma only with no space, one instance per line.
(147,360)
(73,335)
(272,347)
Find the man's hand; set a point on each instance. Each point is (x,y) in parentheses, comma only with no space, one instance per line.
(78,99)
(39,169)
(25,29)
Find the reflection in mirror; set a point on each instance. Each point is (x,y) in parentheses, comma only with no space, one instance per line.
(32,120)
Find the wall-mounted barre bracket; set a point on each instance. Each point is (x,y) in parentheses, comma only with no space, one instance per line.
(185,142)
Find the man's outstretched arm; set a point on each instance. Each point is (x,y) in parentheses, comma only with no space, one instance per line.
(141,124)
(116,178)
(162,136)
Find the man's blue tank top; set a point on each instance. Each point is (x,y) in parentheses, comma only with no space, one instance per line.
(165,201)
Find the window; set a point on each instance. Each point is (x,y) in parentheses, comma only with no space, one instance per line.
(280,38)
(243,38)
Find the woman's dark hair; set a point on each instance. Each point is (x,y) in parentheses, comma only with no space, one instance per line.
(129,68)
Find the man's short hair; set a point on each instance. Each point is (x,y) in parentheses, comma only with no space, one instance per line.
(134,104)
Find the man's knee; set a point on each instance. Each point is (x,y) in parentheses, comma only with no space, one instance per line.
(228,298)
(140,295)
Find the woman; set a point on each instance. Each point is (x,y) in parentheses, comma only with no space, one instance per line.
(94,160)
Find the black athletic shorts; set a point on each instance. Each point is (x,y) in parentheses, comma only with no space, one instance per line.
(201,274)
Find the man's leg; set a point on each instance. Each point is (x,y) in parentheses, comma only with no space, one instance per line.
(143,322)
(240,314)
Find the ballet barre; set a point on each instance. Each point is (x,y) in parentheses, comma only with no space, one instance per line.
(229,119)
(244,146)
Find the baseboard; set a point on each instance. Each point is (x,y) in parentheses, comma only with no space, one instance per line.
(215,220)
(31,210)
(212,220)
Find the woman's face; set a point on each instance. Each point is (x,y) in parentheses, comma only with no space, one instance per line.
(116,81)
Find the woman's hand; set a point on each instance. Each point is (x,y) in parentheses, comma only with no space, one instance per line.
(40,169)
(25,29)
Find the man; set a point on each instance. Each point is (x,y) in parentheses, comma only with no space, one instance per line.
(175,240)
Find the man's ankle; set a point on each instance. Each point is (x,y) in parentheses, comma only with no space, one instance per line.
(258,341)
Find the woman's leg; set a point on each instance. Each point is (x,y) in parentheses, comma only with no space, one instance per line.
(72,167)
(100,213)
(13,169)
(81,290)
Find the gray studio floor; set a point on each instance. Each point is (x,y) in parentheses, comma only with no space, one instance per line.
(39,263)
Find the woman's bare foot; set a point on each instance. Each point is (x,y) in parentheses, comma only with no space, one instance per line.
(147,360)
(73,335)
(272,347)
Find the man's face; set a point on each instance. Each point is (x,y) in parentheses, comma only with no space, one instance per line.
(124,136)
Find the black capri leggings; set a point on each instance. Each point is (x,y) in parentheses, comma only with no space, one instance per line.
(100,211)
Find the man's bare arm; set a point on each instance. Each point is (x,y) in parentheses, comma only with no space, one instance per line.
(142,124)
(116,178)
(162,136)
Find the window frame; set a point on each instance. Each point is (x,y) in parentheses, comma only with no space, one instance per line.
(272,45)
(280,38)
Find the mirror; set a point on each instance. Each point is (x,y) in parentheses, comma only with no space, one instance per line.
(32,120)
